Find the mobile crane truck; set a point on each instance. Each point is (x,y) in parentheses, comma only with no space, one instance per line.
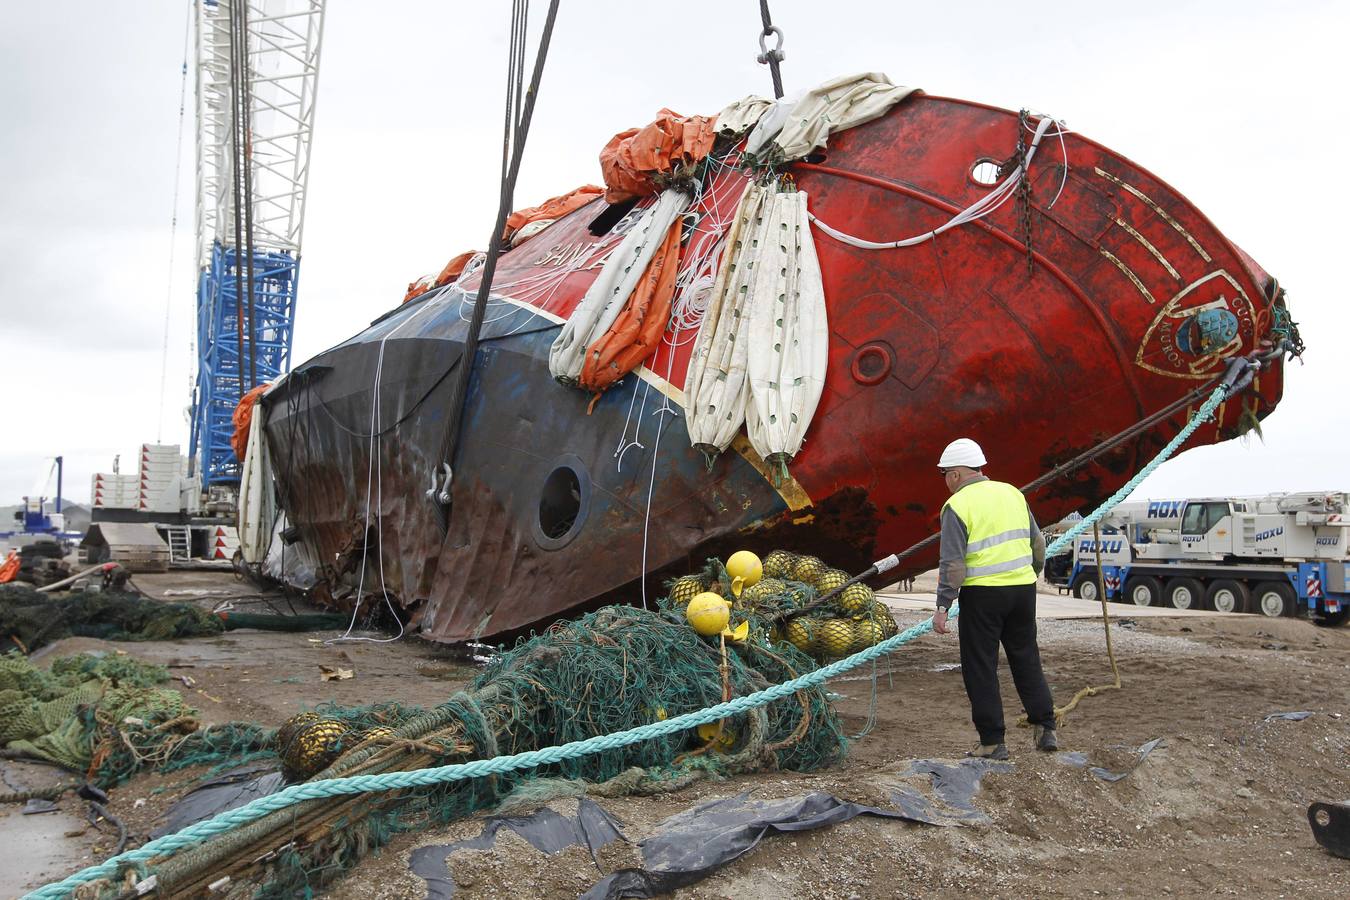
(1279,555)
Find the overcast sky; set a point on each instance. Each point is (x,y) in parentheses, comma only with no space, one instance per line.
(1240,105)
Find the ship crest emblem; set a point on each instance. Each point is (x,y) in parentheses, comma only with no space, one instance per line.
(1208,321)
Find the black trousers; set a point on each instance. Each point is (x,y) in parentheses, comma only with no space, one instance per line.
(1006,615)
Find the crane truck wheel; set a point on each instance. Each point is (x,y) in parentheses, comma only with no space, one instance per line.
(1275,599)
(1183,593)
(1085,586)
(1228,596)
(1143,590)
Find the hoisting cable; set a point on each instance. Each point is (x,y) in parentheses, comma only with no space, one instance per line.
(517,128)
(246,175)
(1235,379)
(237,189)
(773,57)
(173,228)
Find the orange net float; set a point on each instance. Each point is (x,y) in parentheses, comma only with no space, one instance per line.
(636,333)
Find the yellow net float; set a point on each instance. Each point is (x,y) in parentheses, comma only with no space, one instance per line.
(807,569)
(831,579)
(881,613)
(708,613)
(763,589)
(835,637)
(286,733)
(866,633)
(686,589)
(313,747)
(856,599)
(778,564)
(377,733)
(719,734)
(746,566)
(800,633)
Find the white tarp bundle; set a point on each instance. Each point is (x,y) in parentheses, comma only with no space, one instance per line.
(739,117)
(715,388)
(607,295)
(798,126)
(257,498)
(789,343)
(295,564)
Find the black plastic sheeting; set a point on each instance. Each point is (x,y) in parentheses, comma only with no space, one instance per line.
(231,790)
(954,784)
(546,831)
(1079,759)
(693,844)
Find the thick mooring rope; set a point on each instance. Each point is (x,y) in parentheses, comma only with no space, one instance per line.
(480,768)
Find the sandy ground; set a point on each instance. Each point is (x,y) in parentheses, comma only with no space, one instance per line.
(1219,808)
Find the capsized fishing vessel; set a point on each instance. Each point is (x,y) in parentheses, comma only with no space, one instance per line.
(984,273)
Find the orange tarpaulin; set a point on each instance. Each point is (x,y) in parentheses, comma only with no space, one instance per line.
(553,208)
(454,267)
(637,331)
(10,567)
(633,158)
(243,418)
(419,287)
(448,274)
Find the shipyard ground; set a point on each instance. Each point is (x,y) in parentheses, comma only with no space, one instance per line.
(1219,808)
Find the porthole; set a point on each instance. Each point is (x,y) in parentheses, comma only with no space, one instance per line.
(872,363)
(986,172)
(563,503)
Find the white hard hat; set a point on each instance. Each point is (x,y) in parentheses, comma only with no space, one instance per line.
(962,452)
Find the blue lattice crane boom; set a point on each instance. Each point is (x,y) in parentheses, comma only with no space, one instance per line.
(257,74)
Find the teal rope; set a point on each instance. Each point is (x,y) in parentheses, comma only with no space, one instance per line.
(1202,415)
(480,768)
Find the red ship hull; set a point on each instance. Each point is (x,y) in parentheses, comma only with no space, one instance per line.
(958,336)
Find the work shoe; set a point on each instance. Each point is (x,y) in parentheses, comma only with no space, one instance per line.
(989,751)
(1044,738)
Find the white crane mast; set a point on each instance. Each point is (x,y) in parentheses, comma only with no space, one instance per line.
(256,80)
(283,44)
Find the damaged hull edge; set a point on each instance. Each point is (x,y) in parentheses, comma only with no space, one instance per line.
(497,569)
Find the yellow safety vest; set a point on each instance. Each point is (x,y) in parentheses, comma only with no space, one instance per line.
(998,533)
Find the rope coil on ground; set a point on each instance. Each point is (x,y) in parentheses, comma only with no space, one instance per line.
(1092,690)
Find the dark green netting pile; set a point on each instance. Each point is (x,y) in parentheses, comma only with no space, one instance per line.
(29,619)
(622,667)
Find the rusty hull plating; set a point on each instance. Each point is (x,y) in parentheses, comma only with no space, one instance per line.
(553,508)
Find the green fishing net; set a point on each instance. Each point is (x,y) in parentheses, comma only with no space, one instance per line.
(611,670)
(29,619)
(106,717)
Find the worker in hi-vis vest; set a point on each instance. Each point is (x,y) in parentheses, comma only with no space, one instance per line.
(992,553)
